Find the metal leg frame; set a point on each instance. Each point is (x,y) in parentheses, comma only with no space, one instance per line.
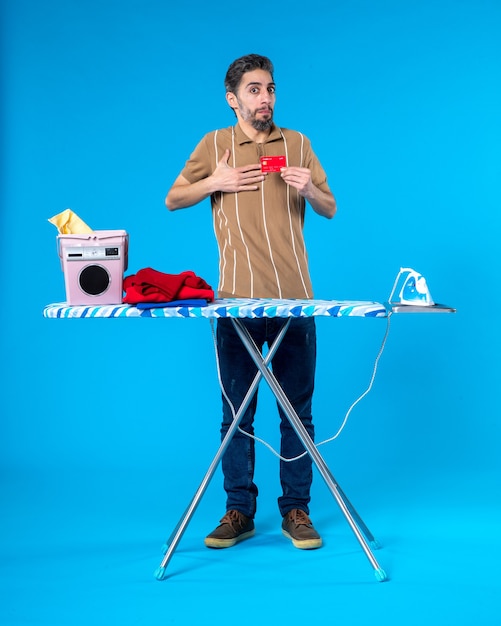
(352,517)
(177,533)
(347,509)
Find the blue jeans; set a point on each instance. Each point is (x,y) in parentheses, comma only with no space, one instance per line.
(294,367)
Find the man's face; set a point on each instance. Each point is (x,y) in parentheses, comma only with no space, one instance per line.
(255,99)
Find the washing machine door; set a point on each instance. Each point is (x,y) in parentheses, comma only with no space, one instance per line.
(94,280)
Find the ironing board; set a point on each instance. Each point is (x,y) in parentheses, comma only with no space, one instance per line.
(237,309)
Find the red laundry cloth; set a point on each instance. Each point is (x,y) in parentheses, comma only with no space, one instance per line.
(150,285)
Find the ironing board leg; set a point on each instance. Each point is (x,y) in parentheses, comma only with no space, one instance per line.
(175,537)
(373,542)
(309,445)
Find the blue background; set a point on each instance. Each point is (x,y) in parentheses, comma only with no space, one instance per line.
(108,427)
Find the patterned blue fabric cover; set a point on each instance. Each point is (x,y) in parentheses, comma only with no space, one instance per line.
(229,307)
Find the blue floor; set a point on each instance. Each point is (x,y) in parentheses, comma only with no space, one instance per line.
(82,548)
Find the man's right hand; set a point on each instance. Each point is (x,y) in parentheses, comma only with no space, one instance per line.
(225,178)
(233,179)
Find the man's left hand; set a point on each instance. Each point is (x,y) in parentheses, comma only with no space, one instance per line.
(299,178)
(323,202)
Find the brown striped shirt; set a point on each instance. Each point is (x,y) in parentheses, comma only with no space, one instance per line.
(262,252)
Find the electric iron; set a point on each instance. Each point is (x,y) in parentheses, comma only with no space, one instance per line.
(410,288)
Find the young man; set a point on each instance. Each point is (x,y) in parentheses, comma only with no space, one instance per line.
(258,219)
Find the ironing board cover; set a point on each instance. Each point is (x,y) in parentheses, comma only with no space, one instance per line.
(228,307)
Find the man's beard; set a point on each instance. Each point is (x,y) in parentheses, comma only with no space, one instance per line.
(262,124)
(250,117)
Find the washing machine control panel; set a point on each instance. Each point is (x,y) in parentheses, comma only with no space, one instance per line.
(92,253)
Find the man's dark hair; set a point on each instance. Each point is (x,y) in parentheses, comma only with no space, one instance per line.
(244,64)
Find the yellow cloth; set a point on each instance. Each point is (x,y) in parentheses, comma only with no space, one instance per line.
(68,223)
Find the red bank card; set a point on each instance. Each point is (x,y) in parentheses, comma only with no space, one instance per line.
(272,163)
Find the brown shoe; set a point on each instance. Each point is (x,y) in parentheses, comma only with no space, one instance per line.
(234,527)
(297,526)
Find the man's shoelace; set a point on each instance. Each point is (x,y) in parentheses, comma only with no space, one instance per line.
(300,518)
(234,518)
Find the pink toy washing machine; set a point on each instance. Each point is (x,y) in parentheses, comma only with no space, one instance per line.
(94,266)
